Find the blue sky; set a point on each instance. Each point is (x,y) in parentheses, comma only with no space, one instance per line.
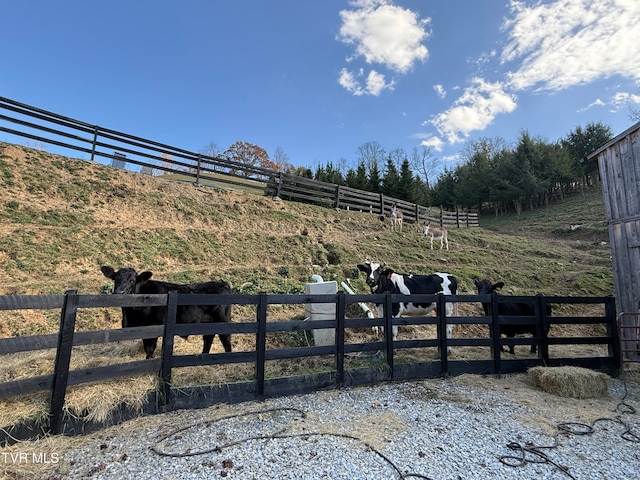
(318,79)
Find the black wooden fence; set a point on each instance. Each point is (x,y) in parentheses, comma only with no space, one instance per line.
(259,387)
(50,128)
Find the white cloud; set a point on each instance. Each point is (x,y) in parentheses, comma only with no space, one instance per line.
(596,103)
(382,34)
(349,82)
(474,110)
(440,91)
(617,101)
(374,84)
(433,142)
(571,42)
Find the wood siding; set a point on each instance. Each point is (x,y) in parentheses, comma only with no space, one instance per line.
(619,164)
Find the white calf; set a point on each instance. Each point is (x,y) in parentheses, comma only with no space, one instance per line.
(436,233)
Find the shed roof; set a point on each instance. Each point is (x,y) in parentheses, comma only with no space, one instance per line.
(616,139)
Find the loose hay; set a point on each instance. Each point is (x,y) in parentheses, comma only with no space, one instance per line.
(574,382)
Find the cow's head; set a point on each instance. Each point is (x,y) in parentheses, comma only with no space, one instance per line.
(485,287)
(373,272)
(125,280)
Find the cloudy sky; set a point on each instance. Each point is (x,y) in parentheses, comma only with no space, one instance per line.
(318,79)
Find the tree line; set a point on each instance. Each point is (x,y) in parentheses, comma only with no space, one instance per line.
(491,175)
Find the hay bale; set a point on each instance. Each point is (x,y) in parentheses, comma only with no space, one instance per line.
(573,382)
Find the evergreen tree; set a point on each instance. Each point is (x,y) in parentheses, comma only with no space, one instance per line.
(391,179)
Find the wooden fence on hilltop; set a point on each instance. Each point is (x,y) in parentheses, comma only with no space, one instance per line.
(121,148)
(168,398)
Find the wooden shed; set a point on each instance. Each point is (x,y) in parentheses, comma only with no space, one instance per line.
(619,164)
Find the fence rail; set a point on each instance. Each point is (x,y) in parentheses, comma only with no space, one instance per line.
(167,398)
(50,128)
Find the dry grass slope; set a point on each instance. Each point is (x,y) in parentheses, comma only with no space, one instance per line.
(61,218)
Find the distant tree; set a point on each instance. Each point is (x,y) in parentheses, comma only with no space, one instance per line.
(371,153)
(329,173)
(398,155)
(357,178)
(423,162)
(444,191)
(581,142)
(210,150)
(391,179)
(374,183)
(248,154)
(281,160)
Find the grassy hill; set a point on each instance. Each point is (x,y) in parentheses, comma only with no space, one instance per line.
(61,219)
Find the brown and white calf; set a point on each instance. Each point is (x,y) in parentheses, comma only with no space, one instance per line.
(396,219)
(436,233)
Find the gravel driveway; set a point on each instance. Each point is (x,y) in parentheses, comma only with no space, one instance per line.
(456,428)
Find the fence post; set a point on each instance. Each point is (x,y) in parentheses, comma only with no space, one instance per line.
(495,335)
(261,340)
(441,216)
(388,330)
(279,181)
(95,140)
(340,313)
(63,358)
(382,204)
(442,334)
(167,346)
(615,348)
(198,170)
(541,330)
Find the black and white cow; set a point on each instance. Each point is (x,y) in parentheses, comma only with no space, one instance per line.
(128,281)
(382,280)
(520,309)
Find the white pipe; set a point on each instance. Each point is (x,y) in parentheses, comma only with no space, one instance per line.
(317,278)
(363,306)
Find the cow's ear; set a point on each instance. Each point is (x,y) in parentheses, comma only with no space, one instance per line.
(108,272)
(477,282)
(362,268)
(143,277)
(497,286)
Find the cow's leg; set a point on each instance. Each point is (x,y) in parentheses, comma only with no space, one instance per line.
(207,340)
(226,341)
(149,346)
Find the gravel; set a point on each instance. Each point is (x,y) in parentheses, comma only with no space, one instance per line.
(436,429)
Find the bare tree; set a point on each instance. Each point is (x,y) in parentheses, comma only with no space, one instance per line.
(210,150)
(423,163)
(489,147)
(281,160)
(398,156)
(371,153)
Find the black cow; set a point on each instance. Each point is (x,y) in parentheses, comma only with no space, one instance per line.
(521,309)
(127,280)
(382,281)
